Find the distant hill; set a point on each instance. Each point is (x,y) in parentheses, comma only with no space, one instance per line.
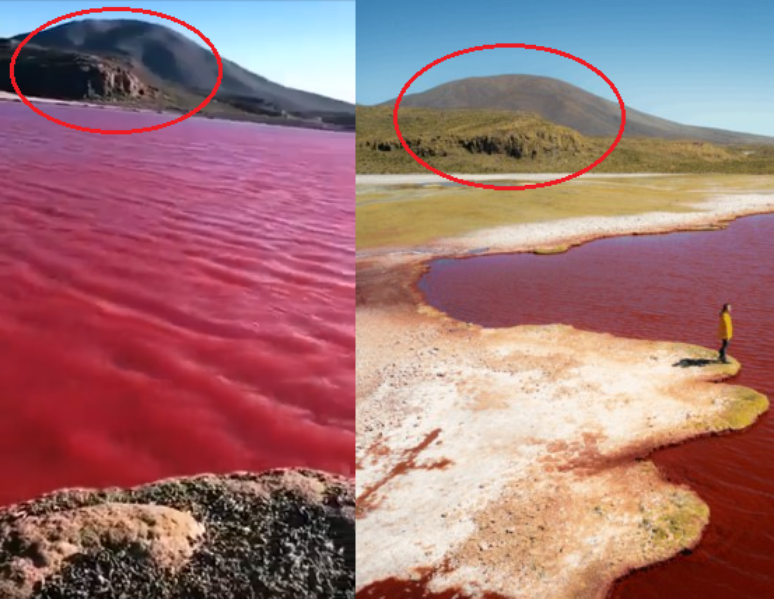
(564,104)
(457,138)
(182,69)
(503,141)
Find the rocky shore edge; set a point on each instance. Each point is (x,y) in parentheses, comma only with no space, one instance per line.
(279,533)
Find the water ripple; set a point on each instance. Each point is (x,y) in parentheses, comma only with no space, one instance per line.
(172,302)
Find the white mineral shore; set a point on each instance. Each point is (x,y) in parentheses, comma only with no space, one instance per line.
(12,97)
(430,178)
(526,237)
(504,460)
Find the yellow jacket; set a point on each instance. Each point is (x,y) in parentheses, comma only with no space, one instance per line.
(726,329)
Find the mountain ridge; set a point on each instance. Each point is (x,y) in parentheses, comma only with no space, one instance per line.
(564,104)
(163,58)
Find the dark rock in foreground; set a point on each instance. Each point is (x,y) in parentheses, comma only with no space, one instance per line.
(71,76)
(281,533)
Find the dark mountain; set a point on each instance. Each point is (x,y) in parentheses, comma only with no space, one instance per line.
(567,105)
(165,59)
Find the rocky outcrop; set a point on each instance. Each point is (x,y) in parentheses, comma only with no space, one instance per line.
(519,145)
(282,533)
(70,76)
(522,146)
(423,149)
(110,80)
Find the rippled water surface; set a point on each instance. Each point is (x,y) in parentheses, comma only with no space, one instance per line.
(172,302)
(666,287)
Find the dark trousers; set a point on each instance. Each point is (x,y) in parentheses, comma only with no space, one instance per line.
(723,349)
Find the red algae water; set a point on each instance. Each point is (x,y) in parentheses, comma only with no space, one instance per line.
(665,287)
(173,302)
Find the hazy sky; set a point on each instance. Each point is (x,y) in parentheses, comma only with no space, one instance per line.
(308,45)
(702,63)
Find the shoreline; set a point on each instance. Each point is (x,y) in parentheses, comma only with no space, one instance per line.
(431,178)
(392,320)
(563,234)
(12,97)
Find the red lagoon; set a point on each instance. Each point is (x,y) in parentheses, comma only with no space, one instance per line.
(172,302)
(666,287)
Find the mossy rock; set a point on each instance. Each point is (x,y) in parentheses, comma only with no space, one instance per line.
(556,249)
(278,534)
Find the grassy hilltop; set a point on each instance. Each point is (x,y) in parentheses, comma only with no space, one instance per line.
(501,141)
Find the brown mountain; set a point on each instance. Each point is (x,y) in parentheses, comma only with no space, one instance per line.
(567,105)
(180,68)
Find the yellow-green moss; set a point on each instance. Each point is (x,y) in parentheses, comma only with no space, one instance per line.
(709,228)
(411,217)
(741,410)
(556,249)
(676,525)
(415,215)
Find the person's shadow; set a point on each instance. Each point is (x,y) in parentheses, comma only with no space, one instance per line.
(687,362)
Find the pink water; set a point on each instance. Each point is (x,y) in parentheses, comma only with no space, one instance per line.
(172,302)
(667,287)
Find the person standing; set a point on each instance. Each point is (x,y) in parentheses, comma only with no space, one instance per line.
(725,331)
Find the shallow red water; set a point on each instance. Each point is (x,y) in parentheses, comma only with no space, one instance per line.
(172,302)
(666,287)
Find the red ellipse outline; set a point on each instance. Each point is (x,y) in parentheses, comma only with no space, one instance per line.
(510,187)
(144,11)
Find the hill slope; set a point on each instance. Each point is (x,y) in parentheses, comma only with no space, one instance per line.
(458,138)
(564,104)
(163,58)
(489,141)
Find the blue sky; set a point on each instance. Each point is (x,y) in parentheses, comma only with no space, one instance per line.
(307,45)
(702,63)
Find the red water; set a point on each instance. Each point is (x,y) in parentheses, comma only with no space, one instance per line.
(666,287)
(172,302)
